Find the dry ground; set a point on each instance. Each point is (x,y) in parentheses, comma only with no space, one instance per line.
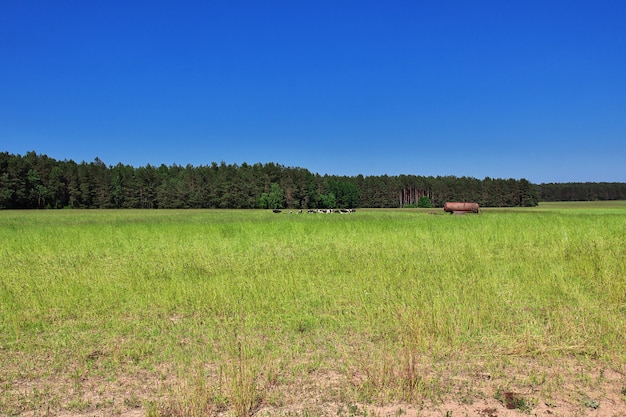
(569,387)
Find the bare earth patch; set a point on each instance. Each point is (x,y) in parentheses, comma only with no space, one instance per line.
(568,387)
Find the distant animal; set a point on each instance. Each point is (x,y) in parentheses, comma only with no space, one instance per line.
(276,211)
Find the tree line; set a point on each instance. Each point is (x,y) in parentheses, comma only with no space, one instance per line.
(582,191)
(35,181)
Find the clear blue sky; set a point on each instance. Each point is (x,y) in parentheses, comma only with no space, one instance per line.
(504,89)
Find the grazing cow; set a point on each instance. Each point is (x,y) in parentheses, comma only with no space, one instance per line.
(328,211)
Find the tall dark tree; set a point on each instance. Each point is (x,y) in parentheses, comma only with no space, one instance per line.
(274,199)
(346,193)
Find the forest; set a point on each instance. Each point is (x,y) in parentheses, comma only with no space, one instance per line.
(36,181)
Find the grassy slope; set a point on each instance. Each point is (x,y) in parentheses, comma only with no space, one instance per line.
(237,309)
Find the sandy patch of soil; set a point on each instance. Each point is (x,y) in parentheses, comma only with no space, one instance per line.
(566,388)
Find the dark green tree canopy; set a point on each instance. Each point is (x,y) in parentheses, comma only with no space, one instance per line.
(274,199)
(37,181)
(424,202)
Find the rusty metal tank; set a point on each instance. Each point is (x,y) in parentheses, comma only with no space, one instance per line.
(461,207)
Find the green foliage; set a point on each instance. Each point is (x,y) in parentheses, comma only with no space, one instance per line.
(577,191)
(327,200)
(36,181)
(514,401)
(345,193)
(424,202)
(274,199)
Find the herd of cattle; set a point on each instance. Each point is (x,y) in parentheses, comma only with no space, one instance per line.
(450,207)
(325,211)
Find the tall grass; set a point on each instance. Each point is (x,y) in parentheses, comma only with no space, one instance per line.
(237,304)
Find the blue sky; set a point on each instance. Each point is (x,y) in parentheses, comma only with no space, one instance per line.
(504,89)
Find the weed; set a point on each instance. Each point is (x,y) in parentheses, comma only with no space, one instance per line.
(352,410)
(245,397)
(133,401)
(79,404)
(590,403)
(512,400)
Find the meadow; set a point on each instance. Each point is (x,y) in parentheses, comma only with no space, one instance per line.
(378,312)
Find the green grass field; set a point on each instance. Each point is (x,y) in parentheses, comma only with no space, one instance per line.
(183,313)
